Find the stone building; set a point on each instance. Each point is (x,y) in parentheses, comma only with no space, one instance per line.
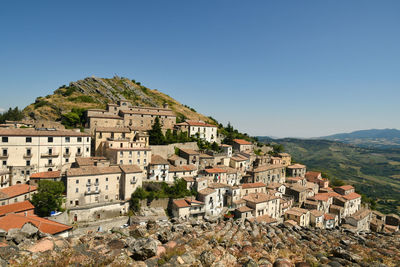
(158,169)
(269,174)
(26,151)
(263,204)
(200,129)
(242,145)
(297,170)
(16,193)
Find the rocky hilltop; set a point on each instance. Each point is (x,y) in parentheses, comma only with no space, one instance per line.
(203,243)
(93,92)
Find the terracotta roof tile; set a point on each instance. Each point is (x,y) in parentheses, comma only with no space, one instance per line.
(183,168)
(158,160)
(207,191)
(92,170)
(46,175)
(259,197)
(181,203)
(253,185)
(241,142)
(10,221)
(16,207)
(16,190)
(130,168)
(244,209)
(215,170)
(296,166)
(351,196)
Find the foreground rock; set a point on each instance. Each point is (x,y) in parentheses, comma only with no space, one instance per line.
(201,243)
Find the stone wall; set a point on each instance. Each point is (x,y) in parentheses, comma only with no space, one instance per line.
(167,150)
(156,203)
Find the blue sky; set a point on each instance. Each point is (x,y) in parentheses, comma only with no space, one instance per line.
(280,68)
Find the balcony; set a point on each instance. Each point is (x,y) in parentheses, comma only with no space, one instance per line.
(92,192)
(67,154)
(78,154)
(27,156)
(133,181)
(49,155)
(49,165)
(4,156)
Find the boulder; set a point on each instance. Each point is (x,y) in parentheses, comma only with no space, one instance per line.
(282,263)
(207,258)
(143,248)
(29,230)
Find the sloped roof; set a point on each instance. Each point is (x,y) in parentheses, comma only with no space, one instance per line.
(351,196)
(296,166)
(206,191)
(181,203)
(46,175)
(253,185)
(16,190)
(183,168)
(34,132)
(196,123)
(345,187)
(259,197)
(113,129)
(16,207)
(93,170)
(158,160)
(215,170)
(244,209)
(11,220)
(241,142)
(268,167)
(130,168)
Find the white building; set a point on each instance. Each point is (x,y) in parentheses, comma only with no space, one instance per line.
(203,130)
(26,151)
(158,169)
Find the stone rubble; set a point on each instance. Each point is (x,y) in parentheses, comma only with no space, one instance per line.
(201,243)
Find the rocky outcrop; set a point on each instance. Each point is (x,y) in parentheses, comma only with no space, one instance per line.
(201,243)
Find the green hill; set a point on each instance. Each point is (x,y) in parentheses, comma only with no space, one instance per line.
(93,92)
(374,172)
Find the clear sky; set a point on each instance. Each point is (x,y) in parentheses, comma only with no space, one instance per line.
(279,68)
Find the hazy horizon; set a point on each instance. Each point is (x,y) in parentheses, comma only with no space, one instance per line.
(303,69)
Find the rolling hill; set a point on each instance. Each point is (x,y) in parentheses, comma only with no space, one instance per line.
(380,138)
(374,172)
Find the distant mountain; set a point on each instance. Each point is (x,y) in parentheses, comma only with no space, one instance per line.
(380,138)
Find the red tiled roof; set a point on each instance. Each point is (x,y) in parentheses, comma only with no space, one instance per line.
(181,203)
(16,190)
(196,123)
(351,196)
(296,166)
(215,170)
(328,217)
(259,197)
(10,221)
(46,175)
(312,175)
(346,187)
(253,185)
(183,168)
(16,207)
(244,209)
(158,160)
(241,142)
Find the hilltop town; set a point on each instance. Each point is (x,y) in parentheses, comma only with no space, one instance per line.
(148,166)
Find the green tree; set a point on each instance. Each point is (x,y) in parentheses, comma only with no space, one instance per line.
(49,197)
(155,134)
(13,114)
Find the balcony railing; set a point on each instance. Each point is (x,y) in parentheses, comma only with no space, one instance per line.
(27,156)
(49,165)
(67,154)
(49,155)
(3,156)
(78,154)
(92,192)
(133,181)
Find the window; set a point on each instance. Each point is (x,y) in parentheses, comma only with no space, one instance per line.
(50,139)
(50,151)
(138,153)
(77,190)
(28,139)
(28,163)
(87,149)
(138,161)
(15,199)
(106,179)
(79,139)
(121,153)
(106,187)
(28,172)
(4,162)
(4,139)
(87,139)
(66,160)
(5,152)
(28,151)
(121,162)
(79,150)
(67,139)
(77,181)
(67,150)
(144,161)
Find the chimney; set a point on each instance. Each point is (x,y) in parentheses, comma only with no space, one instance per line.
(26,213)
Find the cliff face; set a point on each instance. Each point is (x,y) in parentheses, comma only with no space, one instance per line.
(93,92)
(200,243)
